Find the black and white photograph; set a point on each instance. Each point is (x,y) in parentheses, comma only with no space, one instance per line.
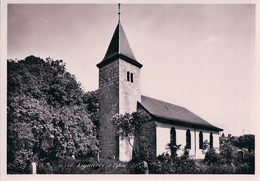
(124,88)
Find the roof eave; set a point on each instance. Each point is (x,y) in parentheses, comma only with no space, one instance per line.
(186,124)
(118,56)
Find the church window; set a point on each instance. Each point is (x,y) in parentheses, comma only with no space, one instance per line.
(188,139)
(211,140)
(128,76)
(201,140)
(173,140)
(132,77)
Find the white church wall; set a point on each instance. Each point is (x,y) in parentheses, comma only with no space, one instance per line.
(216,140)
(181,138)
(163,138)
(199,152)
(194,142)
(206,136)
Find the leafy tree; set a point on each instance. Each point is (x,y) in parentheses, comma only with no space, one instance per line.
(47,117)
(92,104)
(244,141)
(227,153)
(129,126)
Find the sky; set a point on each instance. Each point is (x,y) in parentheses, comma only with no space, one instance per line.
(197,56)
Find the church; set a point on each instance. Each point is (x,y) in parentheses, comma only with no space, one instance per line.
(120,93)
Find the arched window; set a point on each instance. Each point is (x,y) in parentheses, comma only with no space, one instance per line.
(201,140)
(173,136)
(211,140)
(173,140)
(132,77)
(128,76)
(188,139)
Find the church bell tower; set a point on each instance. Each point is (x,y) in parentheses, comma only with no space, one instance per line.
(119,91)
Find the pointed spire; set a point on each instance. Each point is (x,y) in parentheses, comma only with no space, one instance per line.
(119,47)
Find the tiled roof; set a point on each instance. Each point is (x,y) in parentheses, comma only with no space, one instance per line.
(119,48)
(175,115)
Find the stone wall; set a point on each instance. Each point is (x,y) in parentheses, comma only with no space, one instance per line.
(109,106)
(116,95)
(147,140)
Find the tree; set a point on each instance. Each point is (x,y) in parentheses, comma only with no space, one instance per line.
(129,125)
(244,141)
(227,153)
(90,99)
(47,118)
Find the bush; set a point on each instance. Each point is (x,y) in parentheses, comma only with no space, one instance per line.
(220,169)
(69,166)
(229,161)
(245,162)
(166,164)
(211,156)
(21,163)
(226,153)
(242,162)
(136,168)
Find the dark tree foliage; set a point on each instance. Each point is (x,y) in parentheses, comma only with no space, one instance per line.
(49,117)
(245,141)
(91,101)
(230,159)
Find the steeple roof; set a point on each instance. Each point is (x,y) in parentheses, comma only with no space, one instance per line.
(119,48)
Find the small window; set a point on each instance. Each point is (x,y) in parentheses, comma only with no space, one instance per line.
(211,140)
(188,139)
(128,76)
(201,140)
(132,77)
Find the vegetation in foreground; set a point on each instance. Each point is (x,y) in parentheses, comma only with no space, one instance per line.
(49,116)
(50,119)
(224,162)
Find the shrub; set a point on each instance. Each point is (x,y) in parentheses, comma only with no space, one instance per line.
(220,169)
(166,164)
(136,168)
(211,156)
(21,163)
(226,153)
(70,166)
(245,162)
(229,161)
